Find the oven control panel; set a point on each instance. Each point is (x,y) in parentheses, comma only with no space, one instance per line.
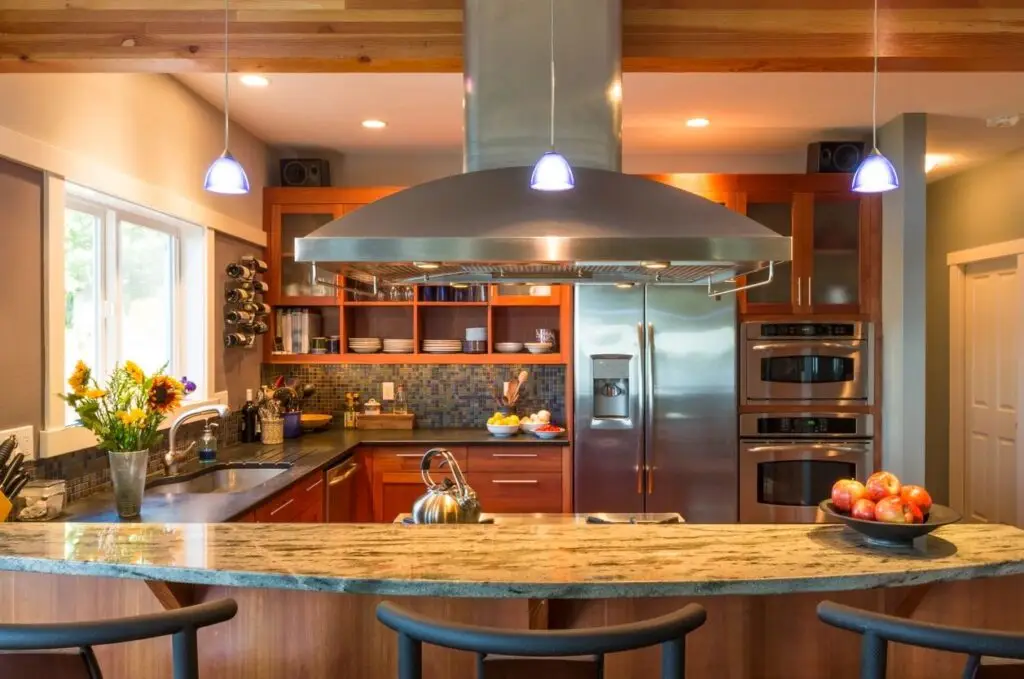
(813,330)
(801,425)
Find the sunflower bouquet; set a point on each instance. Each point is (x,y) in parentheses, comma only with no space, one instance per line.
(126,412)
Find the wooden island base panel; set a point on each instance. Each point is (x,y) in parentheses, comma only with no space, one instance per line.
(307,610)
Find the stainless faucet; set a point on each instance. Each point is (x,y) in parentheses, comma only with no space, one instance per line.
(172,457)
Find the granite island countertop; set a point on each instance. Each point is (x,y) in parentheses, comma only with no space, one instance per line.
(560,560)
(307,454)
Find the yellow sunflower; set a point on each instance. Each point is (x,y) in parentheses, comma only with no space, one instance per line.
(95,393)
(132,416)
(165,394)
(79,378)
(134,371)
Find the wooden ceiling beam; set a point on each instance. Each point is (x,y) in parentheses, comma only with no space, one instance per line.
(426,35)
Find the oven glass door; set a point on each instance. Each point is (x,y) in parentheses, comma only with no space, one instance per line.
(784,482)
(807,371)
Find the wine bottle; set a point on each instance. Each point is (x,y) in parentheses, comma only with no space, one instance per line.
(256,308)
(239,271)
(258,328)
(238,317)
(248,433)
(238,295)
(237,339)
(257,265)
(254,286)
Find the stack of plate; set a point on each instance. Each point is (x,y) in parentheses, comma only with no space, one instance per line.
(364,345)
(398,346)
(442,346)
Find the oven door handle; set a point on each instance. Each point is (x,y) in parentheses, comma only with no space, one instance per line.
(810,446)
(847,346)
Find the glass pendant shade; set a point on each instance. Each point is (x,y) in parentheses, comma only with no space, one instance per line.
(552,173)
(875,174)
(226,176)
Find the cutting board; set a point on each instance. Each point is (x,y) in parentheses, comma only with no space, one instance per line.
(386,421)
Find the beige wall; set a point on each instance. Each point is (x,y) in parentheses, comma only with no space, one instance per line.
(21,295)
(978,207)
(147,126)
(235,370)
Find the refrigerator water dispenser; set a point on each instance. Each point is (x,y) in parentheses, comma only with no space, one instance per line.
(611,386)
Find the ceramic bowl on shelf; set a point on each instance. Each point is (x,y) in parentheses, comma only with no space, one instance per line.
(503,430)
(547,435)
(538,347)
(508,347)
(530,427)
(894,534)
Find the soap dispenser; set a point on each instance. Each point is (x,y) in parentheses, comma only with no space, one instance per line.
(208,443)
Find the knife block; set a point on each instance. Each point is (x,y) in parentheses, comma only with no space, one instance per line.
(5,507)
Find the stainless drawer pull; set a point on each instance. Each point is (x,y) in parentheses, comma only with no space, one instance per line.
(521,481)
(416,455)
(513,454)
(282,506)
(314,485)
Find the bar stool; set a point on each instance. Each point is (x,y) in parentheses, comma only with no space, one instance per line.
(180,625)
(669,631)
(879,629)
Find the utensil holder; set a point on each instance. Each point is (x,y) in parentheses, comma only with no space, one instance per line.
(128,473)
(272,430)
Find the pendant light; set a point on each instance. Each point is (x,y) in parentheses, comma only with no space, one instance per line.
(875,174)
(226,174)
(552,171)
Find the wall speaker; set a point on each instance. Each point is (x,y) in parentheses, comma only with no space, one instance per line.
(834,156)
(305,172)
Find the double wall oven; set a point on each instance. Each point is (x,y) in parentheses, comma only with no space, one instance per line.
(809,373)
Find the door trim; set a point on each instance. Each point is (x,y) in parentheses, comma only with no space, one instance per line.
(957,263)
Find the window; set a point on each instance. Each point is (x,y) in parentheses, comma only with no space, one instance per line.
(125,295)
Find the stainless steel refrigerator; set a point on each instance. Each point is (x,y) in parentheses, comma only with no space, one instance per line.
(656,407)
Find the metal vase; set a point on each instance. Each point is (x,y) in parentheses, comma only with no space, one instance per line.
(128,472)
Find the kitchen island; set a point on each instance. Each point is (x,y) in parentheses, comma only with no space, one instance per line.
(307,594)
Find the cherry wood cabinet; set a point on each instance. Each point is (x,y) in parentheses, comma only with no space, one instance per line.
(302,502)
(836,241)
(518,492)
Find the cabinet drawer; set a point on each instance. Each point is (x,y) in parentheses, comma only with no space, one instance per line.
(513,458)
(304,499)
(517,492)
(407,458)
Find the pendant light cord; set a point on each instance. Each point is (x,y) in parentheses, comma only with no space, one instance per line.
(551,48)
(227,105)
(874,83)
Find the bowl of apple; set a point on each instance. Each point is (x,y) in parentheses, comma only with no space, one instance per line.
(885,511)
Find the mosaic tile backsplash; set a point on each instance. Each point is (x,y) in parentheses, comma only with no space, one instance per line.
(87,471)
(439,395)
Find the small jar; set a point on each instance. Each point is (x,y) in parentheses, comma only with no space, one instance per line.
(371,407)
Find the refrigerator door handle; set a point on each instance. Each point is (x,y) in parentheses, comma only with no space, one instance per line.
(643,409)
(649,408)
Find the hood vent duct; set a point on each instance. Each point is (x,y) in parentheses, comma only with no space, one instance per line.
(488,225)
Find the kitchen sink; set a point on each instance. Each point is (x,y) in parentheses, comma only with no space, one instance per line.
(219,479)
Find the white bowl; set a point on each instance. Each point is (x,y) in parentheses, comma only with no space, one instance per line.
(503,430)
(550,434)
(538,347)
(508,347)
(530,426)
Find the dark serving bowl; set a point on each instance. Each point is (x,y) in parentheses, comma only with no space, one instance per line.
(895,533)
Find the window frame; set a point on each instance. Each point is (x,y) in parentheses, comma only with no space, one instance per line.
(192,301)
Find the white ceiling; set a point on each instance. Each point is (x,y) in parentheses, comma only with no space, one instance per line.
(750,113)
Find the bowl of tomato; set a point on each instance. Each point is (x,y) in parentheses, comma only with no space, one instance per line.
(549,431)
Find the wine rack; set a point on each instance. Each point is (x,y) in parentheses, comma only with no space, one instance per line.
(245,312)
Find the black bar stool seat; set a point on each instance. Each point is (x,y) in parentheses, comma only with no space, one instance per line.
(180,624)
(669,631)
(878,629)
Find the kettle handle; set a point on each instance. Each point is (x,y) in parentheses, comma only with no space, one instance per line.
(425,466)
(460,481)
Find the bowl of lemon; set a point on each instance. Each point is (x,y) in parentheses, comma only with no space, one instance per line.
(503,426)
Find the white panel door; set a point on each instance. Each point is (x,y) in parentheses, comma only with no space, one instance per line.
(992,345)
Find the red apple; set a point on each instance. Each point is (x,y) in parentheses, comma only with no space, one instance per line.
(882,485)
(863,509)
(893,509)
(846,492)
(917,495)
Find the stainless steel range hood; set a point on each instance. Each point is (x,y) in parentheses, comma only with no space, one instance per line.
(487,224)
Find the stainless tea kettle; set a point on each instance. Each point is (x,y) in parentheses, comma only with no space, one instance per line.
(445,502)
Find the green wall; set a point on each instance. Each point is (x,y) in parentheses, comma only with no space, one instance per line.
(981,206)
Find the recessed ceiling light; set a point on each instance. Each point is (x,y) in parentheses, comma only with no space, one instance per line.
(373,124)
(253,80)
(654,265)
(698,122)
(934,160)
(426,265)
